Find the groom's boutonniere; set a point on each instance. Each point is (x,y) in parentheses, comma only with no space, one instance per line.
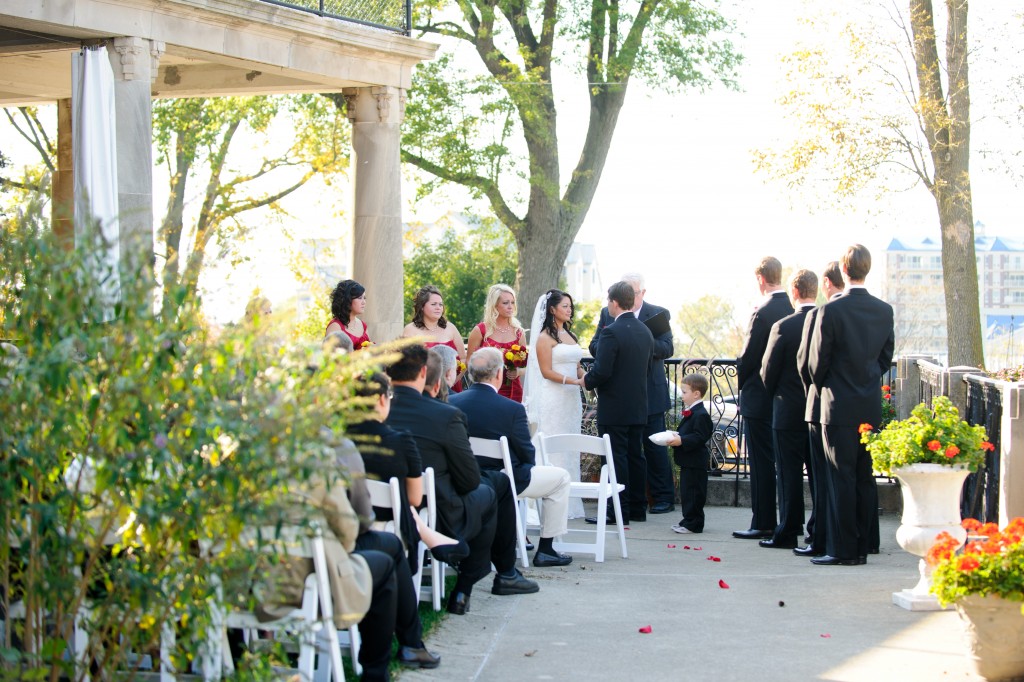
(687,413)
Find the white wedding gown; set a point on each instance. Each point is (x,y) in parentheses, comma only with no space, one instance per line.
(560,410)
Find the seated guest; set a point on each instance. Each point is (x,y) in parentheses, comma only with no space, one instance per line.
(478,511)
(337,341)
(367,572)
(492,416)
(388,453)
(435,386)
(449,367)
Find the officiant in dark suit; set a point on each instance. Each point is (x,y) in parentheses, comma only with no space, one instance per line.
(755,403)
(659,470)
(789,401)
(850,349)
(619,374)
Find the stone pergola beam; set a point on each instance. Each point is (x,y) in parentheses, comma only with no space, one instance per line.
(216,80)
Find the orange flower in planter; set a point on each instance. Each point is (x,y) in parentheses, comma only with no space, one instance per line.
(988,446)
(968,563)
(952,451)
(864,428)
(970,524)
(934,445)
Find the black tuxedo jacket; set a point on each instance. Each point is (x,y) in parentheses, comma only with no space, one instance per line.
(620,372)
(658,400)
(780,374)
(440,434)
(812,411)
(755,401)
(694,433)
(492,416)
(850,349)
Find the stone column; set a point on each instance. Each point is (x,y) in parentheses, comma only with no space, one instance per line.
(62,191)
(956,387)
(1011,455)
(908,383)
(376,115)
(134,61)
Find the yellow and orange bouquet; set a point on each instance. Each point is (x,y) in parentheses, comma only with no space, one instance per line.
(515,357)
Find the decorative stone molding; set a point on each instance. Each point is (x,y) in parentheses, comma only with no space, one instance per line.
(130,50)
(156,50)
(383,95)
(401,104)
(350,95)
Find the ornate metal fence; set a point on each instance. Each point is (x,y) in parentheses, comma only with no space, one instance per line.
(980,498)
(390,15)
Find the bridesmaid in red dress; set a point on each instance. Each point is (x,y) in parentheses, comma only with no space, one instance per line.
(500,329)
(348,301)
(429,323)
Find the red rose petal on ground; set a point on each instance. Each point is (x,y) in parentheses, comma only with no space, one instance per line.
(686,547)
(826,636)
(724,585)
(697,549)
(646,629)
(714,558)
(671,546)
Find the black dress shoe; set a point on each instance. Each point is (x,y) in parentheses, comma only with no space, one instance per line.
(515,585)
(543,560)
(808,551)
(635,518)
(751,534)
(458,603)
(663,508)
(778,544)
(610,521)
(529,545)
(826,560)
(418,658)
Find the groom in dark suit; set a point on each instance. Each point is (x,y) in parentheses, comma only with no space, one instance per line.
(620,376)
(756,404)
(659,470)
(850,349)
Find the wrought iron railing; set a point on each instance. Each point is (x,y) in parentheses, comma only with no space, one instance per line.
(390,15)
(980,497)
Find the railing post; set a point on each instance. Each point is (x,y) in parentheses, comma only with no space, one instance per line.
(956,388)
(908,383)
(1011,456)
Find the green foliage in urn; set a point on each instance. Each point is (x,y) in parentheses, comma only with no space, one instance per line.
(928,436)
(991,563)
(133,452)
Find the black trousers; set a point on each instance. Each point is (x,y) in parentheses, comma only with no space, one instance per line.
(659,468)
(761,458)
(630,466)
(792,451)
(693,493)
(481,513)
(503,547)
(853,496)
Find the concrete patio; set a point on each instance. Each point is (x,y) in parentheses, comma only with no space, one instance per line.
(781,618)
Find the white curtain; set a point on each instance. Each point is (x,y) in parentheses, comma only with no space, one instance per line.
(94,147)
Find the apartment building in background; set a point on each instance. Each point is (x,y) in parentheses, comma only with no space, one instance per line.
(914,287)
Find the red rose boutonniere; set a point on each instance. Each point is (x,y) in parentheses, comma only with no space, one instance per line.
(687,413)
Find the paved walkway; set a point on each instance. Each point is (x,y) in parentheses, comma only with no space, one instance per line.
(781,618)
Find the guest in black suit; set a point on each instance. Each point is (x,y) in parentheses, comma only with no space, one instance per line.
(620,376)
(691,453)
(469,508)
(832,285)
(789,403)
(756,404)
(659,471)
(850,349)
(492,416)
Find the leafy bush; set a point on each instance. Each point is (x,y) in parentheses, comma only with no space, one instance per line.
(936,436)
(128,445)
(991,563)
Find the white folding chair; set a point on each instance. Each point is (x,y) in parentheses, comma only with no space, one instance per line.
(498,449)
(437,568)
(606,487)
(315,630)
(388,496)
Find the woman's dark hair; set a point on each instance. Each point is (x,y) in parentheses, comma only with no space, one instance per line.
(420,300)
(554,298)
(341,299)
(372,384)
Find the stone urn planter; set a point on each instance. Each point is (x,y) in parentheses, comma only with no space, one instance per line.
(931,505)
(994,630)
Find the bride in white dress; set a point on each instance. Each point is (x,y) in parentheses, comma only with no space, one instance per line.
(551,392)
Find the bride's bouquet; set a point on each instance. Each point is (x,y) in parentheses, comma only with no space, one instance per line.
(515,358)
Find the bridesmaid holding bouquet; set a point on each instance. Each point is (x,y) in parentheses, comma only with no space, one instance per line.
(500,329)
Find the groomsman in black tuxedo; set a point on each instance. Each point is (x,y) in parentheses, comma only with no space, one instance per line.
(832,286)
(755,402)
(850,349)
(659,470)
(789,402)
(620,376)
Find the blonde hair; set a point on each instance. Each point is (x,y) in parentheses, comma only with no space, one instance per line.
(491,308)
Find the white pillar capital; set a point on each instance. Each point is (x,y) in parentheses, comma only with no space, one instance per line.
(131,63)
(156,51)
(377,104)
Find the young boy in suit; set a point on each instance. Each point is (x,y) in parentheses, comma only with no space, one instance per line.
(690,452)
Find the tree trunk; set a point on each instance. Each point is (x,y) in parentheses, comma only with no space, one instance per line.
(948,130)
